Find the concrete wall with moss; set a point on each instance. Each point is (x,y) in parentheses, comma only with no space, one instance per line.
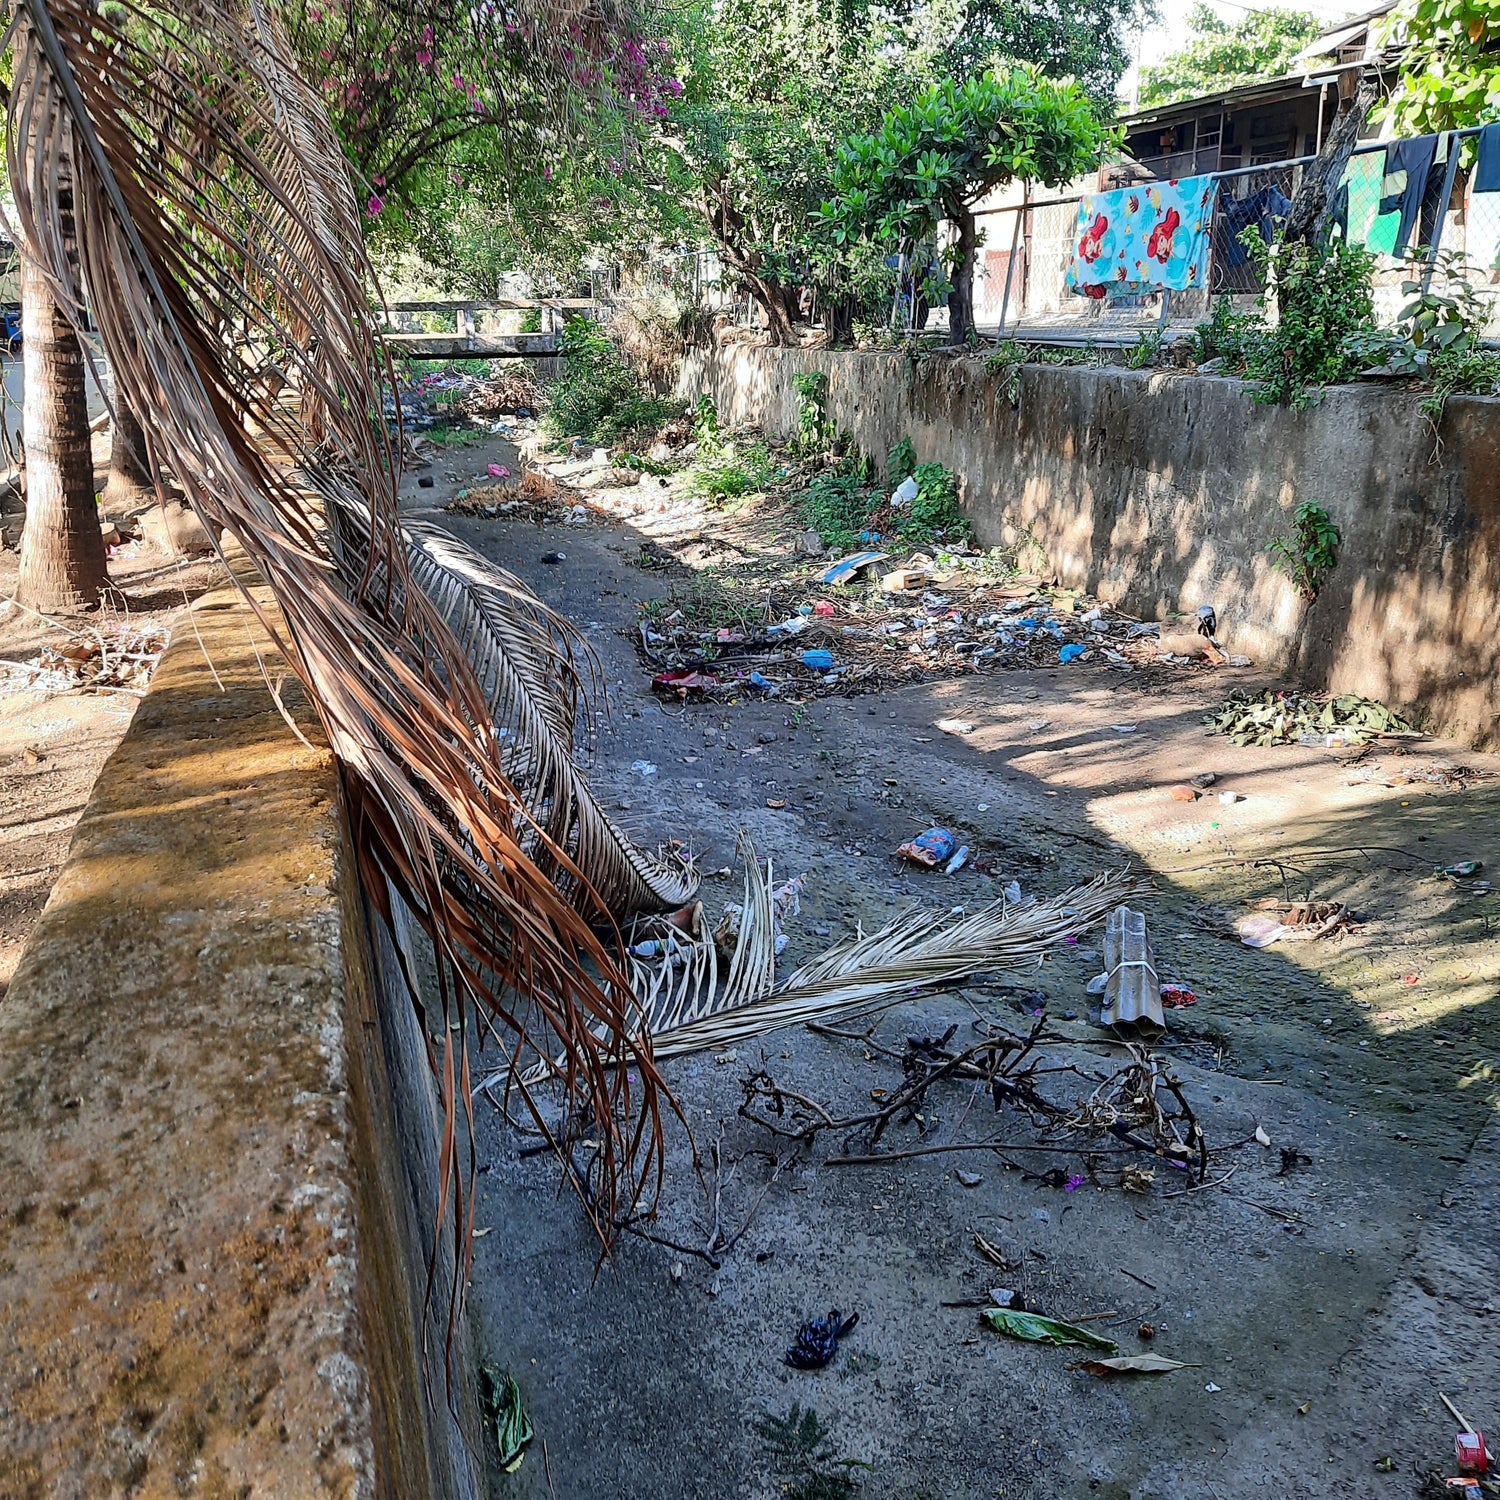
(1162,491)
(216,1148)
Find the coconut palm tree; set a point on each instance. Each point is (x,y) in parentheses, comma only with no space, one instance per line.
(62,548)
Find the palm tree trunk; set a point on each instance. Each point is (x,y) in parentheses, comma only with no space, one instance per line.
(62,549)
(129,469)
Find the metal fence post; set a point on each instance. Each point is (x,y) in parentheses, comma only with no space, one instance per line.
(1010,269)
(1454,148)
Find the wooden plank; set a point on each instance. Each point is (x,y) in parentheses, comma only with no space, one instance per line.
(451,346)
(505,304)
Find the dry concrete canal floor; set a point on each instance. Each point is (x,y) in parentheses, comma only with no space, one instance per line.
(1322,1294)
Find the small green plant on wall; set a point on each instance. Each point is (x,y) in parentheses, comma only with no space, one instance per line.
(1308,555)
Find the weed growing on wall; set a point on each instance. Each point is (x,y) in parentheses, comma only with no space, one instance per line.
(1308,555)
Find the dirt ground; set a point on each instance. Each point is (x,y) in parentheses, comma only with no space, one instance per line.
(1322,1290)
(55,735)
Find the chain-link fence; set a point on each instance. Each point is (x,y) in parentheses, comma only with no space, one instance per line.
(1445,234)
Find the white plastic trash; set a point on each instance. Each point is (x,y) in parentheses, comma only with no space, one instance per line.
(905,492)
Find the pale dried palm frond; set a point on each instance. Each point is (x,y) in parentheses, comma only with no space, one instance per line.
(220,256)
(919,949)
(690,1005)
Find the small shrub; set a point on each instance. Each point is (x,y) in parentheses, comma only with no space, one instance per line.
(732,476)
(900,462)
(1227,335)
(837,506)
(814,431)
(805,1458)
(601,398)
(1144,353)
(1309,554)
(1323,297)
(935,510)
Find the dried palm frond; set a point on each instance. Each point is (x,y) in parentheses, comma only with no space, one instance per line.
(219,254)
(920,949)
(689,1005)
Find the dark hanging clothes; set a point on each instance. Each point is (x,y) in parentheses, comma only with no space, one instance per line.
(1487,168)
(1266,209)
(1407,165)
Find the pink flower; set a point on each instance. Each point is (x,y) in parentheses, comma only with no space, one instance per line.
(1073,1184)
(424,58)
(373,207)
(546,174)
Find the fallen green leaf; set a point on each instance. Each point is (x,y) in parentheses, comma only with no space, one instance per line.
(1039,1330)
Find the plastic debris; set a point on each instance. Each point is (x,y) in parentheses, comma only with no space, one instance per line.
(817,1341)
(930,848)
(818,660)
(1176,996)
(794,626)
(504,1408)
(954,726)
(1036,1329)
(1131,1364)
(1462,870)
(846,567)
(1132,990)
(553,558)
(643,767)
(1070,653)
(499,471)
(683,683)
(904,493)
(959,860)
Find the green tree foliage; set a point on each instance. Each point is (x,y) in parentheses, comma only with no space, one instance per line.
(935,158)
(1087,43)
(1450,70)
(1222,55)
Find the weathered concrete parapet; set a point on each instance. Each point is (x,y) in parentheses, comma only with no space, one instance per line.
(1161,491)
(210,1277)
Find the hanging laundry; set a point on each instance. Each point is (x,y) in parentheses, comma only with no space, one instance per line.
(1266,210)
(1357,204)
(1487,168)
(1150,238)
(1407,165)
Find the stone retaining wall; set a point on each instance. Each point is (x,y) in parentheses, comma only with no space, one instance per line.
(1161,492)
(213,1230)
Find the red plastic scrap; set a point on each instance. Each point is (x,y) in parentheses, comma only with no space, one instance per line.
(1176,995)
(683,683)
(1472,1457)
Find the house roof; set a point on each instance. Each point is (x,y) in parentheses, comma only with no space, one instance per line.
(1269,89)
(1264,92)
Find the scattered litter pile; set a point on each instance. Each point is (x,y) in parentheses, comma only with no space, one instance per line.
(535,497)
(1290,718)
(103,659)
(854,637)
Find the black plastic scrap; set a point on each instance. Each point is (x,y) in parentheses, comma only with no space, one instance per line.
(818,1340)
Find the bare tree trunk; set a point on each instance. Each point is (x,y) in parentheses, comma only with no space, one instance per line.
(62,549)
(961,298)
(129,469)
(1307,219)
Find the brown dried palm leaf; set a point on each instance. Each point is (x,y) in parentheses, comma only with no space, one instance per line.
(220,256)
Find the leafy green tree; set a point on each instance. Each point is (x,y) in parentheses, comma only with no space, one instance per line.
(1087,43)
(1450,70)
(934,159)
(1225,56)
